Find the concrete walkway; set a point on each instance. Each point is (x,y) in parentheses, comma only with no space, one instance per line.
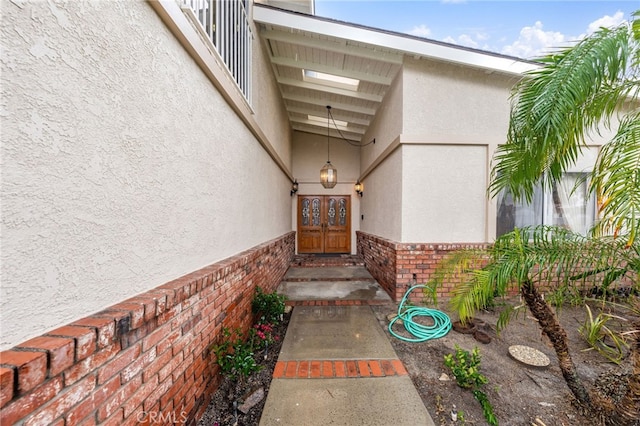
(336,365)
(303,285)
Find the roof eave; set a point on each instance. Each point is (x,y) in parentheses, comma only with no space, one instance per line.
(404,43)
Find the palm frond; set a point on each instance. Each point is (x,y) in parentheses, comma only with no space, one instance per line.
(553,109)
(543,255)
(616,180)
(472,295)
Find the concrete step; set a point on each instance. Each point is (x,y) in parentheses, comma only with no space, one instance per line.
(328,273)
(366,291)
(321,260)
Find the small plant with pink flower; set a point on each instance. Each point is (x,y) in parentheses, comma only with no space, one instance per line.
(262,336)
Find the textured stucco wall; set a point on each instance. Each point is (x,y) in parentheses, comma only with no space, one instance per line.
(382,202)
(122,166)
(310,155)
(444,194)
(450,103)
(387,125)
(380,207)
(454,118)
(267,103)
(304,6)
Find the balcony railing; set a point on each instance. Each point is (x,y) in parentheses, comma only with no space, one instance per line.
(226,24)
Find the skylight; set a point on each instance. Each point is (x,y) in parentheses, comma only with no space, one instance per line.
(323,120)
(330,80)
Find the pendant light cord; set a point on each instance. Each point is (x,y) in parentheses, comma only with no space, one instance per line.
(340,133)
(328,137)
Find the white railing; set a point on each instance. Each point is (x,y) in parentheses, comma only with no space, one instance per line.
(227,26)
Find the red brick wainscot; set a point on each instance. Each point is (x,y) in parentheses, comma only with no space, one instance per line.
(144,360)
(398,266)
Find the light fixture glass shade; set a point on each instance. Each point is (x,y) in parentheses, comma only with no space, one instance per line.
(328,175)
(359,188)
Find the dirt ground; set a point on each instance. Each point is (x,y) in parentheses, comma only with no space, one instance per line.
(520,395)
(221,412)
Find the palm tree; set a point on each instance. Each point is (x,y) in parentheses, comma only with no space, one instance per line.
(594,83)
(554,258)
(578,89)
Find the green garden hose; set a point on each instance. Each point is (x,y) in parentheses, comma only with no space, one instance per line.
(440,327)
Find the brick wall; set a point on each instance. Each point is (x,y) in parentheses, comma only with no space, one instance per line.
(146,358)
(398,266)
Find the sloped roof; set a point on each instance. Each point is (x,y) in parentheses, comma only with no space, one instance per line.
(325,48)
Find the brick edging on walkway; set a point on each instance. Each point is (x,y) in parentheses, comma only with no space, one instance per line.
(338,369)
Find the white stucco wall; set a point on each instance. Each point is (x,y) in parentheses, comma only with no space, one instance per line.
(454,118)
(122,166)
(267,104)
(453,104)
(304,6)
(382,202)
(444,193)
(447,119)
(386,126)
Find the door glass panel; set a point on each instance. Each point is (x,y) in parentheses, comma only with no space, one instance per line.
(316,212)
(305,212)
(332,212)
(343,212)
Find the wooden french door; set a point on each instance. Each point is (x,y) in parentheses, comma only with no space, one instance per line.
(324,224)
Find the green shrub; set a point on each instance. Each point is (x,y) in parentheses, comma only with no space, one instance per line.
(595,332)
(235,356)
(269,306)
(465,367)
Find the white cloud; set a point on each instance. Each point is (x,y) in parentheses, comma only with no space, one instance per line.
(534,42)
(606,21)
(449,39)
(420,31)
(468,40)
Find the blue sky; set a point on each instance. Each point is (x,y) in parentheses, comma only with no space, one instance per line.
(522,28)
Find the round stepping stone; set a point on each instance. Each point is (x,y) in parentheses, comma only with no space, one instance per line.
(528,356)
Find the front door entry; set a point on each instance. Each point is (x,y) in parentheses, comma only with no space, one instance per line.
(324,224)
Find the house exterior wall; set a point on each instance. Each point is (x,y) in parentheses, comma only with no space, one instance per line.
(141,207)
(381,164)
(268,107)
(386,126)
(309,155)
(425,192)
(123,167)
(145,360)
(444,193)
(381,203)
(454,119)
(304,6)
(452,104)
(400,266)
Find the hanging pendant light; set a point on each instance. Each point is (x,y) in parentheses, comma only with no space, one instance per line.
(328,174)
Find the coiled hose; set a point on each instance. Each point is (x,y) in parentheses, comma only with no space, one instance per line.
(440,327)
